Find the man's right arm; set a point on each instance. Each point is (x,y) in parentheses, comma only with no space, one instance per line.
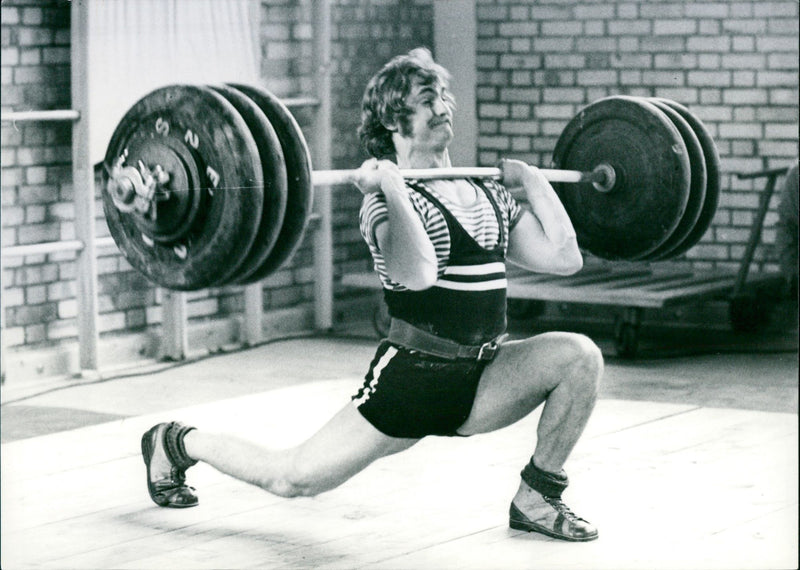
(408,252)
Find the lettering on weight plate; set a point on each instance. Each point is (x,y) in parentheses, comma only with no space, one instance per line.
(180,250)
(213,176)
(191,138)
(162,126)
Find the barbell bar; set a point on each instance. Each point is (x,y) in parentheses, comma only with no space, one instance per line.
(191,186)
(602,176)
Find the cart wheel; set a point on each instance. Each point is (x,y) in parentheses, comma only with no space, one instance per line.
(748,314)
(524,308)
(381,319)
(626,339)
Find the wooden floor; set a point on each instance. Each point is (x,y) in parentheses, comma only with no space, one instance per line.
(669,486)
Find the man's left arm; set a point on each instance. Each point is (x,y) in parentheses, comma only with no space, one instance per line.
(543,240)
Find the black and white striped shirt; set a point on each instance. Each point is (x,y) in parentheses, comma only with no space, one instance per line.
(478,219)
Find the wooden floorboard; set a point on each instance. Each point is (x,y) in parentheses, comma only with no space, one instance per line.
(668,485)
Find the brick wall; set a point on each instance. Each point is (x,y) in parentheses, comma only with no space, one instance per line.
(36,172)
(39,291)
(734,64)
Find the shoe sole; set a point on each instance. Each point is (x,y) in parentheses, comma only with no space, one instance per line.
(532,527)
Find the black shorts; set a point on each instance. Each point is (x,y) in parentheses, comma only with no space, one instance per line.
(410,394)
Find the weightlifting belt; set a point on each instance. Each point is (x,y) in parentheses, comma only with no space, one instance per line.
(409,336)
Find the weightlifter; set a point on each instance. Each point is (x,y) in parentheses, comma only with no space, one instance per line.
(440,248)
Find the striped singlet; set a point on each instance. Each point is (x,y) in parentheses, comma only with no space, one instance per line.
(467,303)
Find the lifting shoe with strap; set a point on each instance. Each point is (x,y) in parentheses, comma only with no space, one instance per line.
(170,491)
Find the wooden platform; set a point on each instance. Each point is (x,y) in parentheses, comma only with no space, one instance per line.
(668,485)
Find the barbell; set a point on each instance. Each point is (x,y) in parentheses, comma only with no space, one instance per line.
(206,186)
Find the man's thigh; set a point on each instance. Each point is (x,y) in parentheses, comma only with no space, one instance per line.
(519,379)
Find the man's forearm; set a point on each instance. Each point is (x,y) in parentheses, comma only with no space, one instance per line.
(548,209)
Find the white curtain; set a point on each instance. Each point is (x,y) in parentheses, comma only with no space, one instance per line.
(136,46)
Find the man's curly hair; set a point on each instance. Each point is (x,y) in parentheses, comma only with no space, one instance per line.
(384,101)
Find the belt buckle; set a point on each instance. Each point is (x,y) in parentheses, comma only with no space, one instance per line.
(487,350)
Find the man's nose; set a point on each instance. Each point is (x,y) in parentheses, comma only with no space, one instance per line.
(440,107)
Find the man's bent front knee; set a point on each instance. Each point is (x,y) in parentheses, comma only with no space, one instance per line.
(581,359)
(587,362)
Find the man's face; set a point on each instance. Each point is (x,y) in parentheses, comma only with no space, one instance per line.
(431,121)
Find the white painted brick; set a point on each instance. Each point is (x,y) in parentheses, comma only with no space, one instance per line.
(775,9)
(743,44)
(784,149)
(67,308)
(524,29)
(492,110)
(58,330)
(594,28)
(744,78)
(564,28)
(783,97)
(709,78)
(627,11)
(592,45)
(674,27)
(781,43)
(685,96)
(744,96)
(13,296)
(776,79)
(111,322)
(707,9)
(744,114)
(519,127)
(600,77)
(560,44)
(682,61)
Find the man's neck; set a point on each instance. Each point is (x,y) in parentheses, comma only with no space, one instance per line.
(415,157)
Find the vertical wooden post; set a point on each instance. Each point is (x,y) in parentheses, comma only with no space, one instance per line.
(83,185)
(2,323)
(323,234)
(175,325)
(454,39)
(253,310)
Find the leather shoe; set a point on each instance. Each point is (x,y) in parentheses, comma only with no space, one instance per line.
(559,523)
(170,491)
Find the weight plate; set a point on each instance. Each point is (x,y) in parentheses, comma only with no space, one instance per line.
(221,169)
(275,184)
(697,190)
(300,193)
(652,170)
(713,181)
(177,214)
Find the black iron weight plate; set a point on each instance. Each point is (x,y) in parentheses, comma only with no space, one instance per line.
(275,184)
(652,169)
(226,158)
(697,191)
(713,181)
(300,192)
